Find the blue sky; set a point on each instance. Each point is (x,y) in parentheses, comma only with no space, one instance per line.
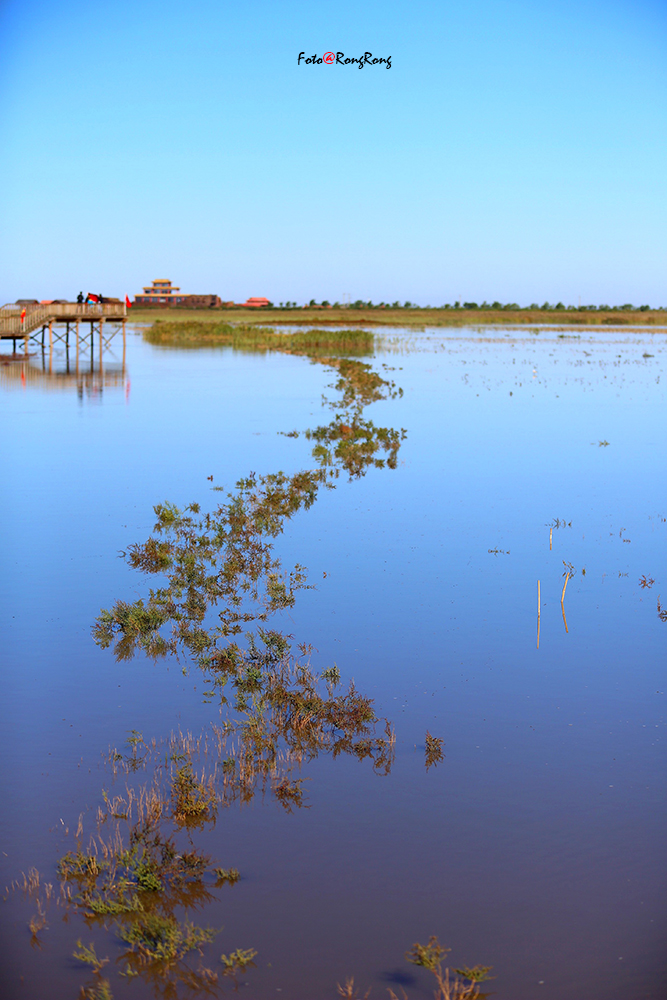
(515,150)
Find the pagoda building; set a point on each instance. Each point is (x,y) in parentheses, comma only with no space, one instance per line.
(163,293)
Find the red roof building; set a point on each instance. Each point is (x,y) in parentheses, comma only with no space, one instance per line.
(255,303)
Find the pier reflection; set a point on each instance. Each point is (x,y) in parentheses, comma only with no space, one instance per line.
(88,366)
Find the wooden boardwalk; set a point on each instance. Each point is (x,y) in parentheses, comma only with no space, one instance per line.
(43,317)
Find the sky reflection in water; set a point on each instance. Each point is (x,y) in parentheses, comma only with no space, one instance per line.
(535,845)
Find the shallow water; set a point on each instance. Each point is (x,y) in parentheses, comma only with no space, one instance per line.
(536,845)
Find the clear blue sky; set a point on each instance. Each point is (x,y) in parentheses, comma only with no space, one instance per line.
(515,150)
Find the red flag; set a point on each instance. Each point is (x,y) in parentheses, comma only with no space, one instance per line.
(92,298)
(128,303)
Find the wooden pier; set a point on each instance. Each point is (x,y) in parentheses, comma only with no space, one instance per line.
(34,322)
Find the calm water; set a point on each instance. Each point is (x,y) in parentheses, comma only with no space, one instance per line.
(536,845)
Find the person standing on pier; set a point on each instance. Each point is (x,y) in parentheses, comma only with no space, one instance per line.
(79,298)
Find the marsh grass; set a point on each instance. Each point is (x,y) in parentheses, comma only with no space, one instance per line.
(457,984)
(260,339)
(462,985)
(225,556)
(135,879)
(40,894)
(159,939)
(98,990)
(230,875)
(238,961)
(349,990)
(194,799)
(434,752)
(406,317)
(134,876)
(88,956)
(355,445)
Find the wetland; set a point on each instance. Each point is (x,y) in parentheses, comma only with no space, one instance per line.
(330,650)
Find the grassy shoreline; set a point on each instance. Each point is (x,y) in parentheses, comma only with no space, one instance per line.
(401,317)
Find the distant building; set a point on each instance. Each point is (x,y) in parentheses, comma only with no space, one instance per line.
(255,303)
(163,293)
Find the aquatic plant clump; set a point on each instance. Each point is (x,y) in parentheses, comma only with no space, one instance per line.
(223,556)
(257,338)
(430,956)
(355,445)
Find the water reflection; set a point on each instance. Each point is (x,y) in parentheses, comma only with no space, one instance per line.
(139,874)
(87,365)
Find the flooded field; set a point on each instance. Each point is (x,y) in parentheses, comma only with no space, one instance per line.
(311,656)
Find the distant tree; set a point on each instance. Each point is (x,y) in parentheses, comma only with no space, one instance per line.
(603,308)
(407,305)
(534,305)
(546,306)
(470,305)
(312,302)
(559,305)
(324,302)
(396,305)
(644,309)
(497,305)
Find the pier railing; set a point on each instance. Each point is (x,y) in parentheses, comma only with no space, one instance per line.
(11,324)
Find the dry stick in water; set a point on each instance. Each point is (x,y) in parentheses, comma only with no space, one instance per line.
(538,614)
(562,598)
